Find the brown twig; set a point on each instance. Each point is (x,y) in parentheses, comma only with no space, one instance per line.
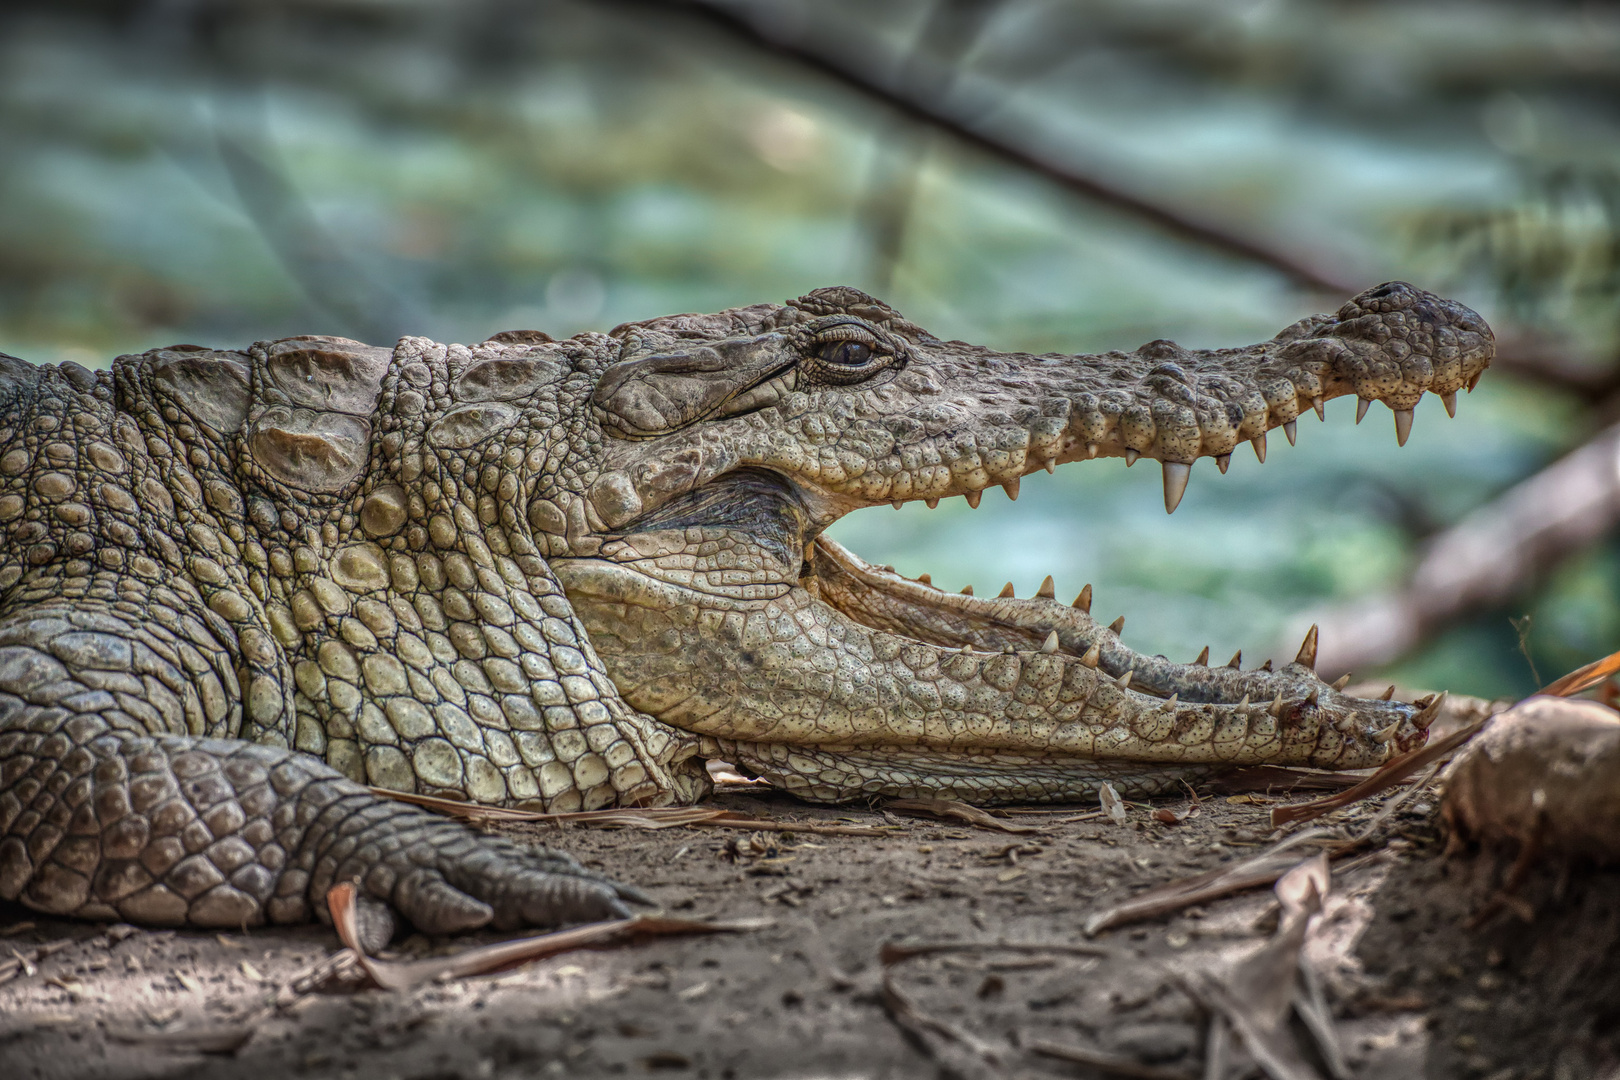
(658,817)
(1382,780)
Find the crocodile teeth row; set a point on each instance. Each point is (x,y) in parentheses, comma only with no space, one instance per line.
(1178,473)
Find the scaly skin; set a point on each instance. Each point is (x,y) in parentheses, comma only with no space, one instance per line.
(237,586)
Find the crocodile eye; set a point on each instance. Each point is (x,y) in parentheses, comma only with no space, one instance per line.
(846,353)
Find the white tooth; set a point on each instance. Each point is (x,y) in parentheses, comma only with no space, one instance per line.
(1130,457)
(1051,464)
(1341,682)
(1236,663)
(1291,429)
(1361,408)
(1203,658)
(1091,449)
(1011,488)
(1276,704)
(1450,402)
(1124,681)
(1259,444)
(1048,589)
(1093,656)
(1175,484)
(1403,426)
(896,503)
(1118,625)
(1050,645)
(973,498)
(1387,734)
(933,504)
(1316,403)
(1006,592)
(1222,461)
(1083,600)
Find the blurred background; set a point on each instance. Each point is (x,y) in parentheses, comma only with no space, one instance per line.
(1071,175)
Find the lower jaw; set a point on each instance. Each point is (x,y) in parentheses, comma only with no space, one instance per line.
(859,682)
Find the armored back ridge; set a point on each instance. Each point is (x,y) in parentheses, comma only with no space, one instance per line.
(237,587)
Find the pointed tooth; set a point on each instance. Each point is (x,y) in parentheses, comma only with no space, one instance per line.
(967,590)
(1244,704)
(933,504)
(1307,649)
(1130,457)
(1006,592)
(1050,645)
(1011,488)
(925,579)
(1091,449)
(1341,682)
(1236,663)
(1312,697)
(1175,484)
(1051,464)
(1475,380)
(1170,703)
(1291,429)
(1362,404)
(1403,426)
(1430,711)
(1259,444)
(973,498)
(1387,734)
(967,647)
(1124,681)
(1321,414)
(1093,655)
(1222,461)
(1276,704)
(1048,589)
(1118,625)
(1203,658)
(1083,601)
(896,503)
(1388,694)
(1449,400)
(1267,665)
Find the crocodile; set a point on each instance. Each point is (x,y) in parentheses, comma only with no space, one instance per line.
(245,593)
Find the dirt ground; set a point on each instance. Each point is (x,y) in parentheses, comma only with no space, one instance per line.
(1414,992)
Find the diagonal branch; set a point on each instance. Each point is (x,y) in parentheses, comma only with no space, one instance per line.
(1492,557)
(848,70)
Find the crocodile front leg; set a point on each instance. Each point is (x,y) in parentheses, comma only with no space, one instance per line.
(108,809)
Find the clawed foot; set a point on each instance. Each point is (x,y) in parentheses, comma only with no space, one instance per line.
(445,878)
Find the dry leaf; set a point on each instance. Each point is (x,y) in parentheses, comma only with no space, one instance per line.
(1111,1064)
(404,974)
(1385,778)
(1262,868)
(1583,678)
(220,1040)
(955,808)
(1112,804)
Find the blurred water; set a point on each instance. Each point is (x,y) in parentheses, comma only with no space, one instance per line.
(394,168)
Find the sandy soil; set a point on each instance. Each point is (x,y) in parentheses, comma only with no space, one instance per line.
(1415,994)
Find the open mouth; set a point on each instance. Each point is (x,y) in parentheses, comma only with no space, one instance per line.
(838,679)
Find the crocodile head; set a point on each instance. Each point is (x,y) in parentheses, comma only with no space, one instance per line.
(720,447)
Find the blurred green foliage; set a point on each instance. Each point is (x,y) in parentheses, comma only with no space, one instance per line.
(221,173)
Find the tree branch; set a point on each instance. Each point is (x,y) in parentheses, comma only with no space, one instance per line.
(844,69)
(1488,560)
